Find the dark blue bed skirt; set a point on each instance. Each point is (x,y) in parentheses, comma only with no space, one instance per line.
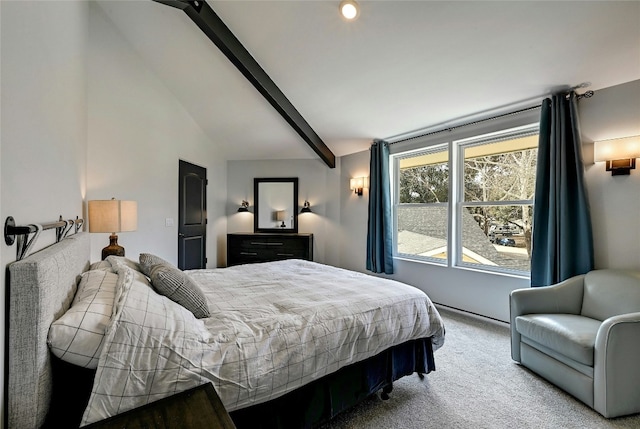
(306,407)
(319,401)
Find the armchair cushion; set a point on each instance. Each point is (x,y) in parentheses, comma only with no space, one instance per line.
(567,334)
(609,293)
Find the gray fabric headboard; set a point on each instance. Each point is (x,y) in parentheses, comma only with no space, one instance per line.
(41,288)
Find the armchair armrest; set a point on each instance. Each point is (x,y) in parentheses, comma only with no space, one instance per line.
(616,373)
(564,297)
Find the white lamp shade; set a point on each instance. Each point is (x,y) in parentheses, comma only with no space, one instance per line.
(622,148)
(113,216)
(281,215)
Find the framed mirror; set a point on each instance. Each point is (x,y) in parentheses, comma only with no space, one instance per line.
(276,205)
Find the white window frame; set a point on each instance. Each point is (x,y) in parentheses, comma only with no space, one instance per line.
(456,140)
(459,146)
(395,173)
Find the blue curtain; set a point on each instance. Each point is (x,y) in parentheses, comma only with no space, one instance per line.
(562,244)
(380,227)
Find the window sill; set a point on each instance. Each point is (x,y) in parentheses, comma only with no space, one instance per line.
(462,267)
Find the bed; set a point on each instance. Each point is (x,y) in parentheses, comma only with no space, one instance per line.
(275,360)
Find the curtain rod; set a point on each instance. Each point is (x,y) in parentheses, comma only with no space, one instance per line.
(441,128)
(13,233)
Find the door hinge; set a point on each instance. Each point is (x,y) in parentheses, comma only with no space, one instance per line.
(206,260)
(206,221)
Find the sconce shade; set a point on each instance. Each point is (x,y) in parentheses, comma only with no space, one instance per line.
(607,150)
(113,216)
(619,154)
(357,184)
(306,208)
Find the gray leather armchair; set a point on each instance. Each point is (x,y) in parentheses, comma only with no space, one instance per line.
(583,335)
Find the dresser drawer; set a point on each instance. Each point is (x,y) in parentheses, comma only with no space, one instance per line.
(251,248)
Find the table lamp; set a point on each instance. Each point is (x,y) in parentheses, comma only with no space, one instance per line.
(113,216)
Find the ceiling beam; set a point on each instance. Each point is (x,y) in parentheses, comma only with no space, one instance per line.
(216,30)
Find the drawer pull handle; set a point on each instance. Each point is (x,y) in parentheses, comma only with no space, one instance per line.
(257,243)
(248,253)
(284,254)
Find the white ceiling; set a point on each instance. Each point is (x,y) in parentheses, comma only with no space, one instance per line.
(401,66)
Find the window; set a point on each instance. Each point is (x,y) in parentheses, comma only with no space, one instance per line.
(423,209)
(468,201)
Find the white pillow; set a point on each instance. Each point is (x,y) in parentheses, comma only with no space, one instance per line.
(102,265)
(77,336)
(116,261)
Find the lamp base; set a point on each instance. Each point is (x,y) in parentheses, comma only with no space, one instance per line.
(112,248)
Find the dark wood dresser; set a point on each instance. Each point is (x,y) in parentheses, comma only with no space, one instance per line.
(248,248)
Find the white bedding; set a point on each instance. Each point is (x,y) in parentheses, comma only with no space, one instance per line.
(274,327)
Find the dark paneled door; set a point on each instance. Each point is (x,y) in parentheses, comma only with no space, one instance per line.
(192,217)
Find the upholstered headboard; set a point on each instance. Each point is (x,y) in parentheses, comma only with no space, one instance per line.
(40,289)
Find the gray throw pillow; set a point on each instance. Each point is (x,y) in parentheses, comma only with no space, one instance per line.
(148,260)
(177,286)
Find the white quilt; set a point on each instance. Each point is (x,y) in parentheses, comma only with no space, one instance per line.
(274,327)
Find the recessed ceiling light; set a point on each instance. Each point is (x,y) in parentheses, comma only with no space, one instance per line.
(349,9)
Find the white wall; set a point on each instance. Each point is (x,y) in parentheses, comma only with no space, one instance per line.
(354,213)
(615,208)
(615,201)
(316,183)
(138,132)
(43,123)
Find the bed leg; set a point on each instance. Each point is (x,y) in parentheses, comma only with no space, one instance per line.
(385,391)
(421,375)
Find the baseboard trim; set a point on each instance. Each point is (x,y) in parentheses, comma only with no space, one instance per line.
(473,315)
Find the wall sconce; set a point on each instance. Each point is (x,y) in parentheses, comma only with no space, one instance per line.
(306,208)
(113,216)
(244,206)
(357,184)
(620,154)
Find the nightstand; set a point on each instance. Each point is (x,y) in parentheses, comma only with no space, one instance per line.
(197,408)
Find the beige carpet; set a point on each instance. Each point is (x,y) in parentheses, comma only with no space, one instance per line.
(476,385)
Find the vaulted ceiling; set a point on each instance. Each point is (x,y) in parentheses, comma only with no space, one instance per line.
(401,66)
